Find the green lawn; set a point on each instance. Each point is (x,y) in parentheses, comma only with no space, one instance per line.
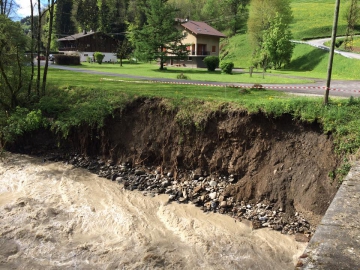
(314,19)
(193,74)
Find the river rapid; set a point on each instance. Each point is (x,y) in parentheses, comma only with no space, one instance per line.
(55,216)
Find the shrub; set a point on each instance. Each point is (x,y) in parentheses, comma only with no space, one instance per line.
(227,67)
(244,91)
(211,62)
(99,57)
(88,59)
(182,76)
(62,59)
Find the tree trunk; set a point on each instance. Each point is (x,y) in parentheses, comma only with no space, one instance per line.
(51,19)
(38,40)
(32,48)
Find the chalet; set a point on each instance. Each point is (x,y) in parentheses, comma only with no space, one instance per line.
(202,40)
(86,43)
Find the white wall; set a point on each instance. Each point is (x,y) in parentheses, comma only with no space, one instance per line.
(109,57)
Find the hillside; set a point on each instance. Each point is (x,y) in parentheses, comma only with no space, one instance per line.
(311,20)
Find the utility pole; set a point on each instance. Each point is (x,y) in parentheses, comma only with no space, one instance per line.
(333,39)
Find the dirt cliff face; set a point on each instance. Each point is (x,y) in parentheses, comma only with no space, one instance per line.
(278,159)
(282,160)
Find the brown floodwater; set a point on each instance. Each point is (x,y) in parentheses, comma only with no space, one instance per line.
(55,216)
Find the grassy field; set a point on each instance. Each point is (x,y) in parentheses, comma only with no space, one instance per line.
(193,74)
(314,19)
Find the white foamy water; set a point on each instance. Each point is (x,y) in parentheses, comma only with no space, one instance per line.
(54,216)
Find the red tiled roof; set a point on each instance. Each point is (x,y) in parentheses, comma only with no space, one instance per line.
(201,28)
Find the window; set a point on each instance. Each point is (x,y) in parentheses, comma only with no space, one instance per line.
(190,59)
(213,49)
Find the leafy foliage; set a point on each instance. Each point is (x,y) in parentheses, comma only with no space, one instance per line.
(262,12)
(99,57)
(63,59)
(276,48)
(226,67)
(158,37)
(14,76)
(20,121)
(211,62)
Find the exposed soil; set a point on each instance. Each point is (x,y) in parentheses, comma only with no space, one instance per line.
(279,159)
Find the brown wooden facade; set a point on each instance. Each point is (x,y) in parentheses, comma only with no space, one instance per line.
(89,42)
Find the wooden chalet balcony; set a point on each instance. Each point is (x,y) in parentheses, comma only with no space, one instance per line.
(68,48)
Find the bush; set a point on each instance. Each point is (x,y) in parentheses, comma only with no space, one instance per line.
(99,57)
(226,67)
(211,62)
(88,59)
(182,76)
(62,59)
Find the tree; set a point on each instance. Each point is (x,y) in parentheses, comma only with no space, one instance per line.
(261,16)
(135,14)
(104,17)
(64,24)
(87,15)
(7,7)
(159,36)
(123,50)
(261,13)
(51,15)
(13,74)
(352,14)
(276,47)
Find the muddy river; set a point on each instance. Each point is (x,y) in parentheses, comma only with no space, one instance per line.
(54,216)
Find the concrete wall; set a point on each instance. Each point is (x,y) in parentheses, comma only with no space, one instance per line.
(336,242)
(109,57)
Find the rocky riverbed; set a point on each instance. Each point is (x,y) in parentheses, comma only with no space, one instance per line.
(208,192)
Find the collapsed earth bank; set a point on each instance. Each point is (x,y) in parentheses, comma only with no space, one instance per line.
(279,160)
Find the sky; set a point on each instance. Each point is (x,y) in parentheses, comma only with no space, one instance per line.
(24,8)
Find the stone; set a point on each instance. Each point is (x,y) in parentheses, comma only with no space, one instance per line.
(213,205)
(255,224)
(212,195)
(139,172)
(223,204)
(197,189)
(213,183)
(300,237)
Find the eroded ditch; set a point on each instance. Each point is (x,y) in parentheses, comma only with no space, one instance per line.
(274,170)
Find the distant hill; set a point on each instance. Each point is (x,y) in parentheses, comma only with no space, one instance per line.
(312,19)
